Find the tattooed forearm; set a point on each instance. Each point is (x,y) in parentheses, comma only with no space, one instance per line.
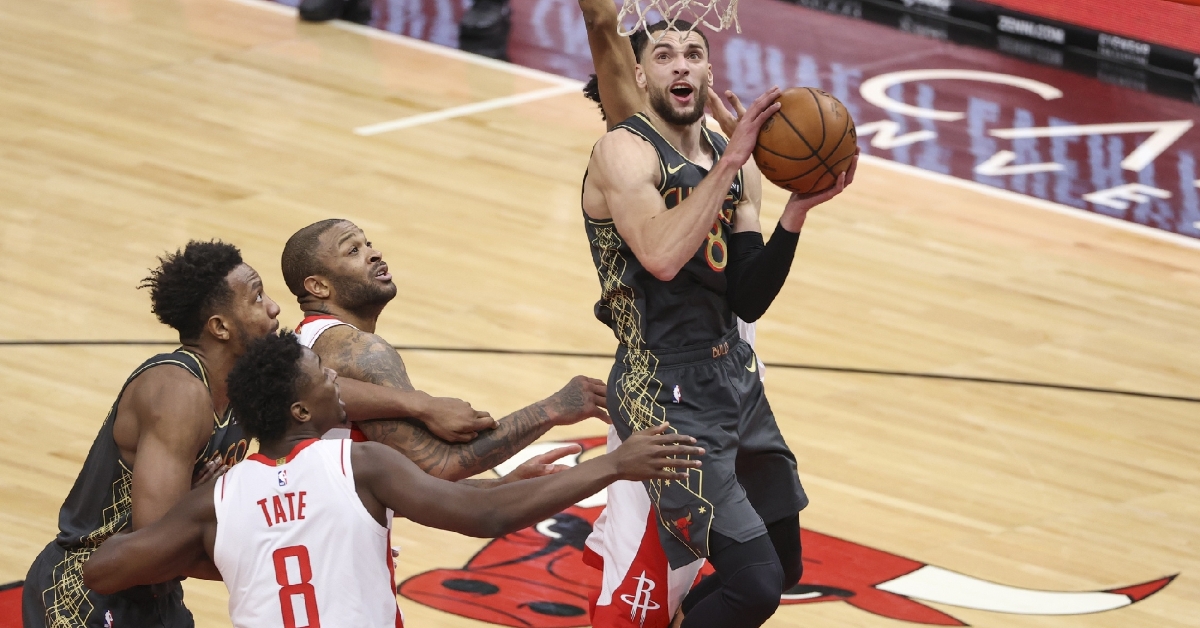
(461,460)
(367,357)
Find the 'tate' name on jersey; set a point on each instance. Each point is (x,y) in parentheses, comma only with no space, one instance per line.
(293,512)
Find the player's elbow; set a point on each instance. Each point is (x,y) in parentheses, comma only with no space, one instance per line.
(661,269)
(598,16)
(99,576)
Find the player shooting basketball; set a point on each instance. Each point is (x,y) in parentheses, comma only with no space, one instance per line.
(672,217)
(304,523)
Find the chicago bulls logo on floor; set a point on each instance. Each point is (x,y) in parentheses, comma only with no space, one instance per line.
(536,577)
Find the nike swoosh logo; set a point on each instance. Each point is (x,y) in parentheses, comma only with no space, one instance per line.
(753,366)
(671,170)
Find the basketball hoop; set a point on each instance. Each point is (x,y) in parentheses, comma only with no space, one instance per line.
(717,15)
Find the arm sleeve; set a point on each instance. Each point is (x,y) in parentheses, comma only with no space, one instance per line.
(756,272)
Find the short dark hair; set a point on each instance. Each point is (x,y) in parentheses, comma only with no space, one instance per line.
(680,26)
(189,285)
(264,383)
(299,258)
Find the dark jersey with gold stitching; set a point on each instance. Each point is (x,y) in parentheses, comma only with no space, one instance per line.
(100,503)
(690,309)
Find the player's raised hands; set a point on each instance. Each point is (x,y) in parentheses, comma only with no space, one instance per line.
(725,118)
(655,454)
(745,133)
(454,420)
(798,205)
(211,470)
(544,464)
(583,397)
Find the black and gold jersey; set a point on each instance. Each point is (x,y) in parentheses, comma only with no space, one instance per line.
(646,313)
(100,503)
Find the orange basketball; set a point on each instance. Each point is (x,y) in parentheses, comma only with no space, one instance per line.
(807,143)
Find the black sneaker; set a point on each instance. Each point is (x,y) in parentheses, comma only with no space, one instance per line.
(357,11)
(484,29)
(485,17)
(321,10)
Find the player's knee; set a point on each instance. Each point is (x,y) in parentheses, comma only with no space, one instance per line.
(793,570)
(754,592)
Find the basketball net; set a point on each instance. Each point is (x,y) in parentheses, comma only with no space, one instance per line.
(715,14)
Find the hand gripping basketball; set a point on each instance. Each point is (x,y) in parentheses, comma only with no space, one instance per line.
(745,135)
(798,205)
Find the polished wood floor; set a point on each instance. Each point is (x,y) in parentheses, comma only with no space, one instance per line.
(129,126)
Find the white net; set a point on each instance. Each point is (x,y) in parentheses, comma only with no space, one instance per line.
(717,15)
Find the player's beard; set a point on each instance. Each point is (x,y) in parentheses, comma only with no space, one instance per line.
(660,102)
(355,294)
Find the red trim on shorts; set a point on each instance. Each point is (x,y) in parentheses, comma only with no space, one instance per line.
(357,435)
(222,488)
(277,462)
(342,458)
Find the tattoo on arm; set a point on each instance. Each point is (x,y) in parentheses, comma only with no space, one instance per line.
(369,358)
(363,356)
(455,461)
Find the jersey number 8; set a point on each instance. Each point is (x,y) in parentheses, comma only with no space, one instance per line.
(304,588)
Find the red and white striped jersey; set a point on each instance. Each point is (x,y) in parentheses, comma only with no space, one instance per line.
(297,548)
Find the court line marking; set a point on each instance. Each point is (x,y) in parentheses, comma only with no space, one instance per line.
(608,356)
(422,45)
(511,68)
(464,110)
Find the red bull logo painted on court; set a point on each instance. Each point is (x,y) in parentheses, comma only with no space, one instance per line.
(536,577)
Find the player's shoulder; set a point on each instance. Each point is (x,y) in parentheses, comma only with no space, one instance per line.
(619,136)
(622,146)
(341,340)
(341,332)
(169,379)
(369,457)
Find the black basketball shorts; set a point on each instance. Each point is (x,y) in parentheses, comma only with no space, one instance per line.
(55,596)
(712,393)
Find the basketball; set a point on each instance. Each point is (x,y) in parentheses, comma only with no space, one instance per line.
(807,143)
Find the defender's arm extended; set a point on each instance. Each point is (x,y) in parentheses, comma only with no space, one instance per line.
(171,547)
(368,358)
(613,58)
(397,484)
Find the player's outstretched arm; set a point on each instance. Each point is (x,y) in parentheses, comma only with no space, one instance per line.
(171,547)
(756,271)
(395,483)
(368,358)
(613,58)
(393,395)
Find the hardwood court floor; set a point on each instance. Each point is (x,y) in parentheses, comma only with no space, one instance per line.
(129,126)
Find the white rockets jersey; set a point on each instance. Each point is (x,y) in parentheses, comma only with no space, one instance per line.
(312,327)
(296,547)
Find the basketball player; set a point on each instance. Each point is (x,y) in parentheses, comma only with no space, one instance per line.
(638,586)
(300,532)
(672,284)
(169,425)
(343,284)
